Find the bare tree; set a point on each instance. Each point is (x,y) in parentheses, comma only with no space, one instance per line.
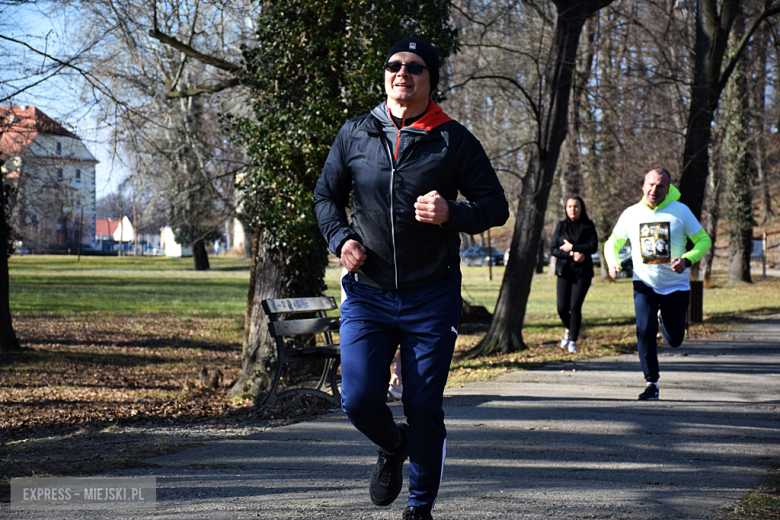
(173,145)
(712,69)
(543,85)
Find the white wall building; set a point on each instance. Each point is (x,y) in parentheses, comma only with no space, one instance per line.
(170,246)
(54,174)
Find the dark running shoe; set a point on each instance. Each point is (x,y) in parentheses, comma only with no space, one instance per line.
(650,393)
(387,478)
(415,513)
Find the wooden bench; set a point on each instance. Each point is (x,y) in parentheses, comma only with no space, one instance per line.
(281,329)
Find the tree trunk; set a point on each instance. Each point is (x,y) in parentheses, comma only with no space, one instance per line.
(571,171)
(572,182)
(758,112)
(739,259)
(200,256)
(8,340)
(540,258)
(258,354)
(710,220)
(506,330)
(739,170)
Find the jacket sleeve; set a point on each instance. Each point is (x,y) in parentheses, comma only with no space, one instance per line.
(611,250)
(701,244)
(485,205)
(591,242)
(331,197)
(556,242)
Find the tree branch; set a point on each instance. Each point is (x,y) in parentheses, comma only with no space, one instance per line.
(513,81)
(71,64)
(743,43)
(192,53)
(203,89)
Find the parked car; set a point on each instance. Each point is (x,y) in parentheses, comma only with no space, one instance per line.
(626,264)
(481,255)
(545,257)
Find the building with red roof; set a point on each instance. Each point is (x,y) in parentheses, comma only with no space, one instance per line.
(54,175)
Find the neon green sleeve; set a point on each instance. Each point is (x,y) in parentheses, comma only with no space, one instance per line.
(611,248)
(701,244)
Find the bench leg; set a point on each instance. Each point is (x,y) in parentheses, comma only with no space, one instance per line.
(270,397)
(324,375)
(334,383)
(329,375)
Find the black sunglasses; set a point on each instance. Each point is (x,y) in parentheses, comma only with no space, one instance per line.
(413,68)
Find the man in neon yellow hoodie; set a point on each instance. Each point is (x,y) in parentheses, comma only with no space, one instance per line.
(659,228)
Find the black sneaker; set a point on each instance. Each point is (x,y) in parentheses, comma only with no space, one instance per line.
(650,393)
(387,478)
(415,513)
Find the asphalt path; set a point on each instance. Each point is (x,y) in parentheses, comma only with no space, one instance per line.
(562,442)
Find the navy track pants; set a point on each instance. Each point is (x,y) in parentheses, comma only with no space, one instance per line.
(674,309)
(424,321)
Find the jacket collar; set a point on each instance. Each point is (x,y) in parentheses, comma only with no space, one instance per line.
(674,194)
(434,116)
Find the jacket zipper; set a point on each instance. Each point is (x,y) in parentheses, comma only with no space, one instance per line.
(392,212)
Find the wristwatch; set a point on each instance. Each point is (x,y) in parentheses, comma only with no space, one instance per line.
(571,253)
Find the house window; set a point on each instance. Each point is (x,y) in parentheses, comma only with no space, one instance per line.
(59,173)
(78,175)
(59,148)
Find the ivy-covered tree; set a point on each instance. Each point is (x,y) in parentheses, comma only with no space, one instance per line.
(315,65)
(739,169)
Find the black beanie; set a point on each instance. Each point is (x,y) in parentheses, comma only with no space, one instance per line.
(419,47)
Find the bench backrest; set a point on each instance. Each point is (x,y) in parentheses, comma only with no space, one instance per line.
(297,305)
(290,327)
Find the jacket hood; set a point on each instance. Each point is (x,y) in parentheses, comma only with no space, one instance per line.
(433,117)
(674,194)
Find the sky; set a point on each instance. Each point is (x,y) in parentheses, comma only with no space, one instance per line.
(57,97)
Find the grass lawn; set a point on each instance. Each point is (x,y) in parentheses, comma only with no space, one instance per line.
(62,284)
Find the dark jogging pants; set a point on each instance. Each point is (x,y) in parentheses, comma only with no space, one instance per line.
(674,309)
(424,321)
(570,297)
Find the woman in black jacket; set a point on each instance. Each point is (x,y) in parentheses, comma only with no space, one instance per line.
(573,242)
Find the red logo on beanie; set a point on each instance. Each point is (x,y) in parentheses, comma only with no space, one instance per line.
(412,45)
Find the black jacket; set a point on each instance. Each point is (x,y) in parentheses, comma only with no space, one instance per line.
(385,171)
(582,234)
